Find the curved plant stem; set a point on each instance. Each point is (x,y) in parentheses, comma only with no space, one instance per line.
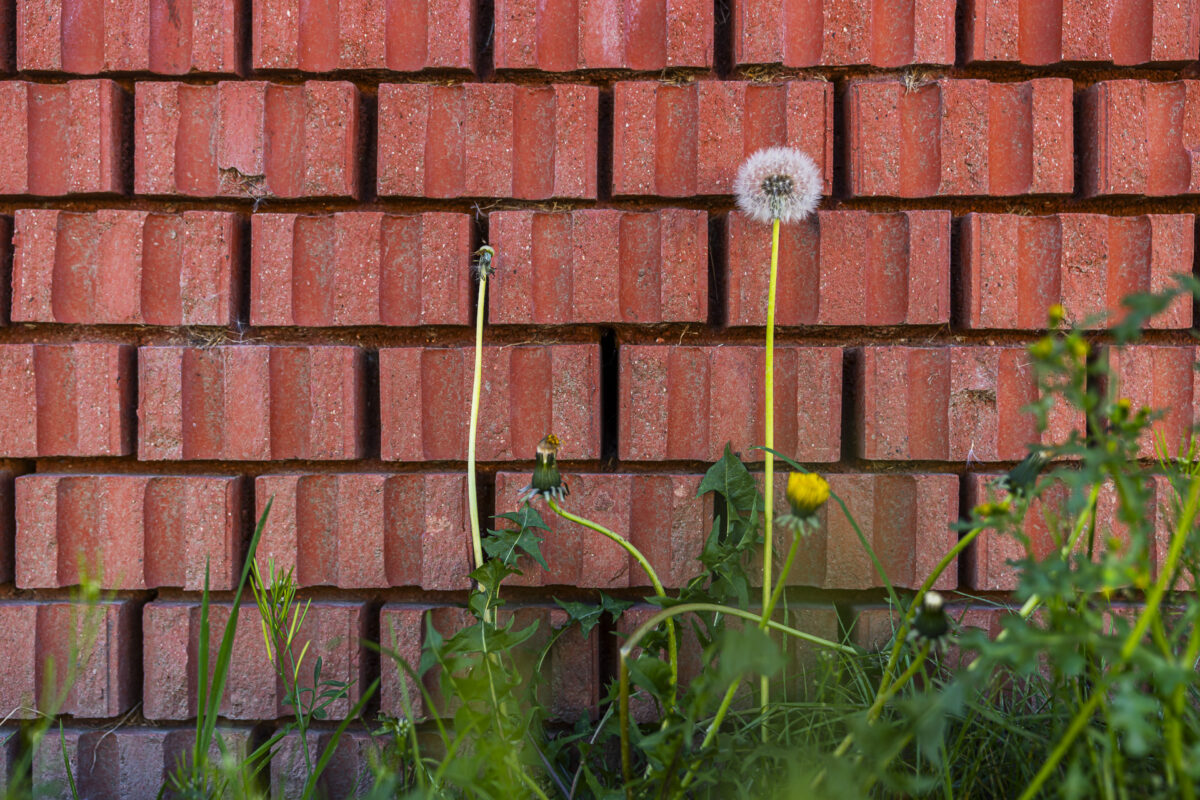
(672,645)
(691,608)
(769,436)
(472,497)
(672,649)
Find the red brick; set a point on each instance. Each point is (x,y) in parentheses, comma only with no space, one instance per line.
(681,141)
(402,634)
(960,137)
(873,628)
(145,532)
(907,519)
(837,33)
(247,139)
(950,404)
(648,35)
(1048,524)
(568,679)
(123,762)
(124,267)
(66,399)
(488,140)
(685,403)
(363,35)
(604,266)
(842,268)
(528,391)
(1111,31)
(1161,377)
(347,775)
(250,403)
(171,635)
(360,268)
(1139,138)
(690,650)
(87,37)
(63,138)
(1016,266)
(359,531)
(659,514)
(32,633)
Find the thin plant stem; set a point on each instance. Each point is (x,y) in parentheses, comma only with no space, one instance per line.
(672,646)
(692,608)
(769,436)
(472,497)
(1153,601)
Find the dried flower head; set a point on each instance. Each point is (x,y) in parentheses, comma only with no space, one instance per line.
(806,493)
(546,480)
(778,183)
(483,265)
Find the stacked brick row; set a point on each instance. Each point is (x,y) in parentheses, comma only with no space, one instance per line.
(239,273)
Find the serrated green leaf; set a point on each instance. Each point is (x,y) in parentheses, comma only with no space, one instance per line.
(730,479)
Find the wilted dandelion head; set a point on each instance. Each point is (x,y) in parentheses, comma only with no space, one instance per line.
(778,183)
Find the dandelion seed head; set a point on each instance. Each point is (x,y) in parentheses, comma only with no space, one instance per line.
(778,183)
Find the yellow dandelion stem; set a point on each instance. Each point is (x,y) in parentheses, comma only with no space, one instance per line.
(769,435)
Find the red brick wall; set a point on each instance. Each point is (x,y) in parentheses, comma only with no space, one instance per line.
(236,237)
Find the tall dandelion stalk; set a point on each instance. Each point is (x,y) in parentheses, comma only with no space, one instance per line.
(776,185)
(484,268)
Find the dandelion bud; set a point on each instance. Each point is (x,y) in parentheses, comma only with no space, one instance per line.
(931,625)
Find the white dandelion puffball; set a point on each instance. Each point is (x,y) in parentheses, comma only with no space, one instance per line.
(778,183)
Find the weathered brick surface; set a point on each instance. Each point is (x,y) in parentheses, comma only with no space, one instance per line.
(907,518)
(63,138)
(283,309)
(799,33)
(360,268)
(842,268)
(359,531)
(659,514)
(1140,138)
(66,400)
(683,403)
(1162,378)
(529,391)
(602,265)
(123,763)
(1050,522)
(959,137)
(250,403)
(568,680)
(1015,267)
(1082,30)
(86,37)
(402,634)
(170,641)
(140,532)
(677,141)
(124,267)
(950,404)
(610,34)
(347,775)
(362,35)
(248,139)
(488,140)
(103,639)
